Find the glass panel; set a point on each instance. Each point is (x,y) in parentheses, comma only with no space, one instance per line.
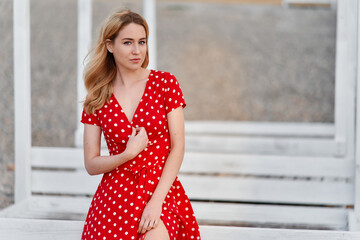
(53,71)
(6,104)
(248,62)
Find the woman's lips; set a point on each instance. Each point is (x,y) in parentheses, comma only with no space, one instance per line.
(135,60)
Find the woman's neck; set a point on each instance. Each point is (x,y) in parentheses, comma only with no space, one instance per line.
(125,77)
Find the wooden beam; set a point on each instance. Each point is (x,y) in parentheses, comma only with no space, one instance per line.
(83,47)
(198,187)
(345,75)
(258,129)
(209,213)
(149,13)
(356,216)
(22,94)
(30,229)
(215,163)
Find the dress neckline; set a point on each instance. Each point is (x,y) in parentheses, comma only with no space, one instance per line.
(130,121)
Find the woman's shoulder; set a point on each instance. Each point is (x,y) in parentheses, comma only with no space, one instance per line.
(163,77)
(163,74)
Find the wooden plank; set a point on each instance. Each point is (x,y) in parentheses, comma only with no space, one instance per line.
(215,188)
(345,74)
(352,221)
(29,229)
(268,190)
(310,3)
(84,26)
(75,208)
(59,182)
(355,223)
(22,98)
(149,12)
(313,139)
(232,233)
(214,163)
(55,157)
(261,2)
(262,145)
(49,207)
(270,215)
(278,129)
(266,165)
(26,229)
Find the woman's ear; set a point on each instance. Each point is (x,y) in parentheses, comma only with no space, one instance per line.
(109,45)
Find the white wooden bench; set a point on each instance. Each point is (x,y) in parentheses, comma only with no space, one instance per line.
(25,229)
(229,189)
(226,189)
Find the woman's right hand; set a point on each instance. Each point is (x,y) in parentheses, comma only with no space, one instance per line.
(137,142)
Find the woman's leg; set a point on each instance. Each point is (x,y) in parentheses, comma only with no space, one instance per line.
(158,233)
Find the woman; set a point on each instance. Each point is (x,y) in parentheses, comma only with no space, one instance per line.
(140,112)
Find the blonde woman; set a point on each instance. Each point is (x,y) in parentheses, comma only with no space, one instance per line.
(140,112)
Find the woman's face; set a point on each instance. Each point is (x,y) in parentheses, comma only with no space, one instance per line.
(129,47)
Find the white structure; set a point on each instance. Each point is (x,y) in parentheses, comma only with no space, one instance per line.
(83,47)
(327,151)
(22,83)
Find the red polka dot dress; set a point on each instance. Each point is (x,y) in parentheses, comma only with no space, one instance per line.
(120,198)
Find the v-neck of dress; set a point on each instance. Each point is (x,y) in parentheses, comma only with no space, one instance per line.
(140,101)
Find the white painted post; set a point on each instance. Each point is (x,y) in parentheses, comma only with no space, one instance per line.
(83,47)
(22,98)
(357,162)
(149,7)
(345,78)
(340,75)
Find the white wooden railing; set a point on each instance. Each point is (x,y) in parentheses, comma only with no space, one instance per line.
(22,102)
(347,76)
(356,221)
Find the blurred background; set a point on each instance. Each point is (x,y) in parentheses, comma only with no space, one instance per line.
(236,60)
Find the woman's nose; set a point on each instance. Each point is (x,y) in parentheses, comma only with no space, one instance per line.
(136,49)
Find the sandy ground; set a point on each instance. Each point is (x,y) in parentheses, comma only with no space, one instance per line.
(234,62)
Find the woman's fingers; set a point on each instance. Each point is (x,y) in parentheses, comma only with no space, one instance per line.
(141,224)
(150,226)
(156,223)
(133,133)
(147,225)
(141,130)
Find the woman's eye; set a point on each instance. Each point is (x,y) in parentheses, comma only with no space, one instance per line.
(142,42)
(127,43)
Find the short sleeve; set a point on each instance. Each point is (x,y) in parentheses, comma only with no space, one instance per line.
(173,96)
(89,118)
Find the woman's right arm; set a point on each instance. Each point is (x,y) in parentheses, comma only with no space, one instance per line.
(96,164)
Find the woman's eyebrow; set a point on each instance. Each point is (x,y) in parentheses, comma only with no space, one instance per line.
(131,39)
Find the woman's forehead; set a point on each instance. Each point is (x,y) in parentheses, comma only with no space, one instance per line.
(132,30)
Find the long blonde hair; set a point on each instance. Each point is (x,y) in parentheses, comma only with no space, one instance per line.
(100,71)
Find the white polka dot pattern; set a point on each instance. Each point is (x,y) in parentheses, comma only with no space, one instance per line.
(117,205)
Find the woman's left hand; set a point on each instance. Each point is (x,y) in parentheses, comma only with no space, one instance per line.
(150,217)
